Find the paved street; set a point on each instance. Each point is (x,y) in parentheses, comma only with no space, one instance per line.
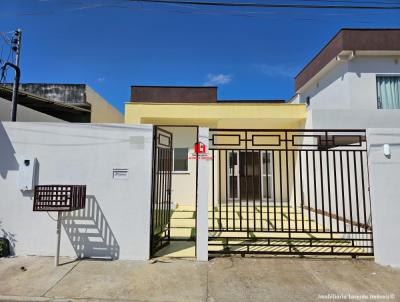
(222,279)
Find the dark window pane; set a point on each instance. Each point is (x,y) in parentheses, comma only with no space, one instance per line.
(180,159)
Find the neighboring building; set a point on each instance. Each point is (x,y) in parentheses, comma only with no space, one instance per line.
(199,106)
(34,108)
(354,81)
(78,95)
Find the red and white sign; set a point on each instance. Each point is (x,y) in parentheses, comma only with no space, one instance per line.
(200,152)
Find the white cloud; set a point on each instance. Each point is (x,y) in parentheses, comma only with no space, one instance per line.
(101,79)
(218,79)
(282,70)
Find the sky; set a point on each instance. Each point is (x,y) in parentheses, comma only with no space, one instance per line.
(110,45)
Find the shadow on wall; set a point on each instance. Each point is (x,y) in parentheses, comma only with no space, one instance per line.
(8,162)
(89,232)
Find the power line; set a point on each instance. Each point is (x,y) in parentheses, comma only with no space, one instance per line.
(270,5)
(351,2)
(378,4)
(279,8)
(262,12)
(189,9)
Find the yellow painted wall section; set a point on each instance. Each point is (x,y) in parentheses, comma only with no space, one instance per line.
(215,115)
(102,111)
(184,183)
(220,115)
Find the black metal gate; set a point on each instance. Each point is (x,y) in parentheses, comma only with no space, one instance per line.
(161,190)
(303,192)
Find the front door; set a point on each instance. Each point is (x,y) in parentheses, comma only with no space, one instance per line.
(249,174)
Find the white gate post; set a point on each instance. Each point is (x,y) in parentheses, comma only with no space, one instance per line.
(384,174)
(202,201)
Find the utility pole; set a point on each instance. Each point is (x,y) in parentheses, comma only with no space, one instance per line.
(16,47)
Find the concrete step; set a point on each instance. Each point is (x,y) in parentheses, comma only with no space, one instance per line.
(181,214)
(183,223)
(182,233)
(185,208)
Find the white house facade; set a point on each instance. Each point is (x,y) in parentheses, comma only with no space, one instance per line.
(354,81)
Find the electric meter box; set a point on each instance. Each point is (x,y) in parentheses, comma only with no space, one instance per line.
(26,173)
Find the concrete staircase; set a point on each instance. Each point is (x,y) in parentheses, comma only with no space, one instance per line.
(183,223)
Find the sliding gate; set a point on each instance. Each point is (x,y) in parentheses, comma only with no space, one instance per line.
(303,192)
(161,190)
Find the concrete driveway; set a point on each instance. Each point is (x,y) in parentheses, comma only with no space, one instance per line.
(221,279)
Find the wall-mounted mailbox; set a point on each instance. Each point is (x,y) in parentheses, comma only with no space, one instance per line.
(26,173)
(59,198)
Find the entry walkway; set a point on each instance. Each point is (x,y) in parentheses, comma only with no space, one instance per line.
(183,233)
(219,280)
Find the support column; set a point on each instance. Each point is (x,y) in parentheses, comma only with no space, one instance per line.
(384,174)
(57,258)
(202,201)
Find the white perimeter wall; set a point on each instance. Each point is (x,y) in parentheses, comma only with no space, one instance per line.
(115,223)
(385,194)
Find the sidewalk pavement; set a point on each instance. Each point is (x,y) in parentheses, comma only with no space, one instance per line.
(221,279)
